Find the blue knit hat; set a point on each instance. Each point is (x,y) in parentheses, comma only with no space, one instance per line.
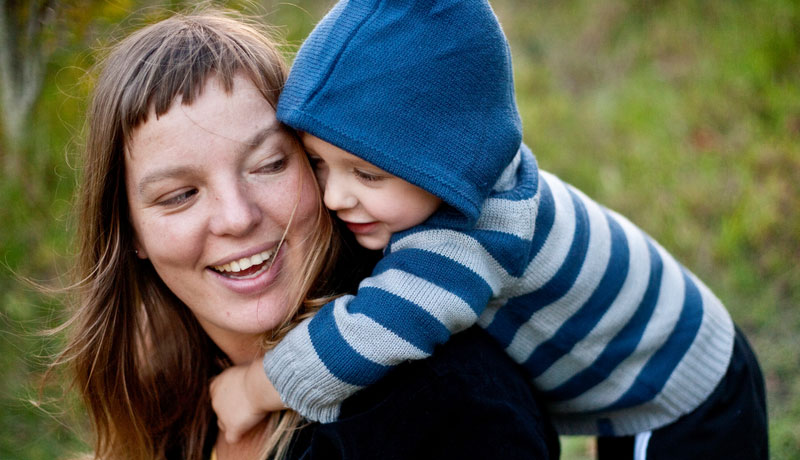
(422,89)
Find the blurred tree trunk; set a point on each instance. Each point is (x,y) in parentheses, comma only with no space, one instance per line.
(23,59)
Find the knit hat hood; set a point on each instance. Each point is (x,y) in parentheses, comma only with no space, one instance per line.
(422,89)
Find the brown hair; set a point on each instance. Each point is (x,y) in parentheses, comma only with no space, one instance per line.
(141,361)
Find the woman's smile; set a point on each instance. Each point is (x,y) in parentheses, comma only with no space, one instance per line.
(250,275)
(245,266)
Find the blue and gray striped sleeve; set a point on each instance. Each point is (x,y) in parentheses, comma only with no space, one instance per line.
(416,299)
(433,282)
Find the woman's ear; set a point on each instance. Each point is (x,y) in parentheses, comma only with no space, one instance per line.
(139,250)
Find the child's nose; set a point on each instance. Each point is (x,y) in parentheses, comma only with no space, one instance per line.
(337,194)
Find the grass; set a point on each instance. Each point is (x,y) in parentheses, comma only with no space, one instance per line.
(682,115)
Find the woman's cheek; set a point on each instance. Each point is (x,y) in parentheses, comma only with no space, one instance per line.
(171,238)
(299,200)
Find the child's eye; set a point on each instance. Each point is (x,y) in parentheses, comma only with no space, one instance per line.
(179,199)
(318,166)
(367,176)
(315,161)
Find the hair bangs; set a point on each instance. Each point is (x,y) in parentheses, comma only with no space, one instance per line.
(177,56)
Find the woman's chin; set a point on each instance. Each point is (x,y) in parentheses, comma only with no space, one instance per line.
(247,304)
(241,337)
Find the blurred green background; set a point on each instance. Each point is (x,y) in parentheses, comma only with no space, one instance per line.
(682,115)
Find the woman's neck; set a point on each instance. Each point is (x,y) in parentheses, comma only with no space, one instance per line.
(249,447)
(240,348)
(241,351)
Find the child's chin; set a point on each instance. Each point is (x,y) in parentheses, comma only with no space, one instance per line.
(374,243)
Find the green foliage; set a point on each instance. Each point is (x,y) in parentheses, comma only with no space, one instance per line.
(682,115)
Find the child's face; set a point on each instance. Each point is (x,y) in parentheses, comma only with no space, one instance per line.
(371,202)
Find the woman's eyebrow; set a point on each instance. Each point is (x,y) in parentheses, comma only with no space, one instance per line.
(168,173)
(259,137)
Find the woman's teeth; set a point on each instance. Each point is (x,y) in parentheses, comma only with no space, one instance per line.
(245,262)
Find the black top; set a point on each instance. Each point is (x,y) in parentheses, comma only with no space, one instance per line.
(469,400)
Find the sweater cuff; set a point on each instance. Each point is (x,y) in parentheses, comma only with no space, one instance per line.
(304,383)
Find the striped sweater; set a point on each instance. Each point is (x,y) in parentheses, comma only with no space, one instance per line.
(615,334)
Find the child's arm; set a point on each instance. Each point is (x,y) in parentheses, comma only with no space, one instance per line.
(396,316)
(242,396)
(433,282)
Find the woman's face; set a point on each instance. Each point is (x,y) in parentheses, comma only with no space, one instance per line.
(211,187)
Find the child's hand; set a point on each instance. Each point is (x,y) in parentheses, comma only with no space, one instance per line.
(242,396)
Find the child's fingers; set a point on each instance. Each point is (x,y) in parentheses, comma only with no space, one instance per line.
(213,384)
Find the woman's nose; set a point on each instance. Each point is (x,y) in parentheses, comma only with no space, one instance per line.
(235,212)
(337,194)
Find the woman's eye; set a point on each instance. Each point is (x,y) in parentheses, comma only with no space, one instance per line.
(178,199)
(273,167)
(366,176)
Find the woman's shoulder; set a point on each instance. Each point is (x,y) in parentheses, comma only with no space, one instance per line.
(467,399)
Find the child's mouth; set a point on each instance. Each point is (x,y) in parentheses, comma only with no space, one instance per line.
(360,229)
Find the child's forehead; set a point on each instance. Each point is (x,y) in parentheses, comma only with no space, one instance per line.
(330,152)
